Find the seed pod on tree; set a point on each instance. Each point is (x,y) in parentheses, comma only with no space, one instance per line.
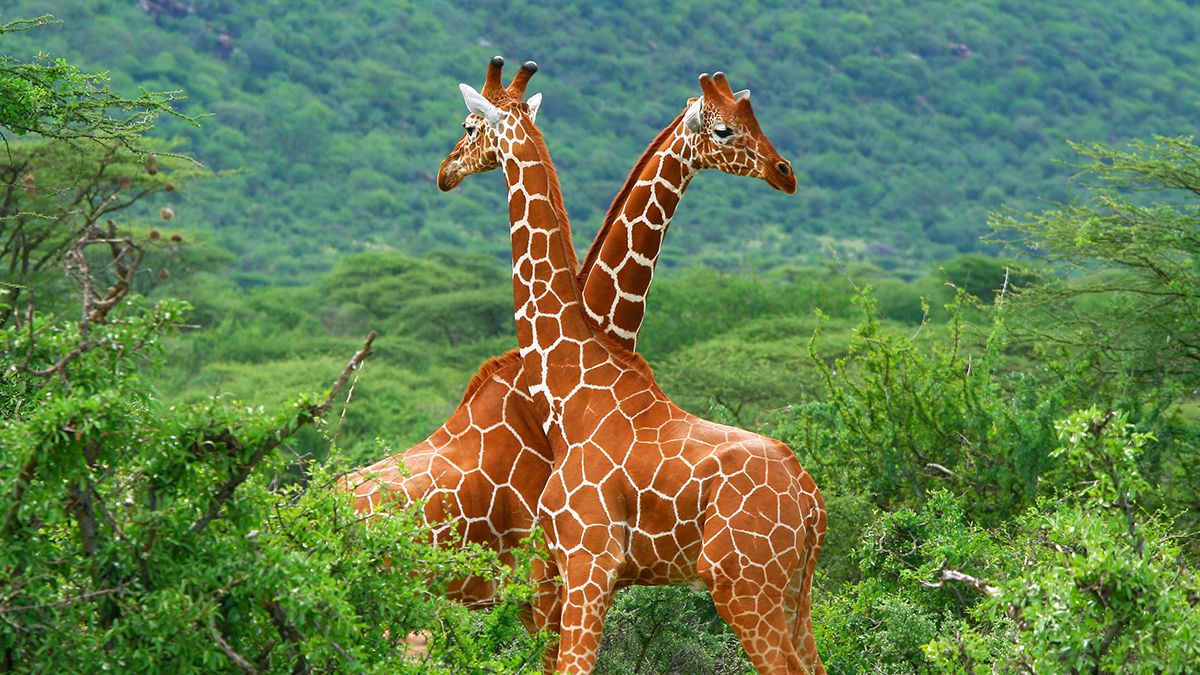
(155,235)
(124,181)
(167,213)
(176,237)
(27,181)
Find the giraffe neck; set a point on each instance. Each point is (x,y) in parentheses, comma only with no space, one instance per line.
(551,328)
(619,273)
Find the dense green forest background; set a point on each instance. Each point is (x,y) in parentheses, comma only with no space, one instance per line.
(956,398)
(906,122)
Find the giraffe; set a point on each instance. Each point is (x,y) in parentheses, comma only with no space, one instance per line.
(619,266)
(641,492)
(481,473)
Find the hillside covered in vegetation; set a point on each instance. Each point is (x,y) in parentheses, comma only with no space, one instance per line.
(906,122)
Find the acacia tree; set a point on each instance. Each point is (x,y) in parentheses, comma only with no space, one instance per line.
(49,203)
(79,165)
(54,99)
(1130,296)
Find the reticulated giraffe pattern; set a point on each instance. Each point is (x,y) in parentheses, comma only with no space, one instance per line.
(641,491)
(482,472)
(717,131)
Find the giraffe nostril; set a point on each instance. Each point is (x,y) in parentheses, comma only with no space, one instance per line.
(784,168)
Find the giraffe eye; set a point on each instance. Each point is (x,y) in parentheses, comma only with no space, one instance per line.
(470,130)
(723,132)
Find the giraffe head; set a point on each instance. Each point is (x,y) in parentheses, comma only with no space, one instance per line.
(726,136)
(491,122)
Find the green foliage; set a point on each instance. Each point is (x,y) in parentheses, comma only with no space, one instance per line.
(55,191)
(882,622)
(703,304)
(753,370)
(1081,581)
(443,298)
(908,414)
(1101,586)
(906,124)
(173,516)
(438,318)
(141,537)
(54,99)
(983,277)
(1136,313)
(668,629)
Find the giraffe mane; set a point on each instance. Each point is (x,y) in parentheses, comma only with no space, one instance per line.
(618,203)
(552,186)
(498,363)
(489,368)
(620,352)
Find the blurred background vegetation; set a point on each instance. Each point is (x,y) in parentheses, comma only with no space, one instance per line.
(938,323)
(906,122)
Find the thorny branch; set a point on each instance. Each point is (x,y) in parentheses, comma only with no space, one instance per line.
(95,305)
(306,415)
(954,575)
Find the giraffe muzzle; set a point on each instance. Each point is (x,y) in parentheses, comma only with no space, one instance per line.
(782,177)
(449,176)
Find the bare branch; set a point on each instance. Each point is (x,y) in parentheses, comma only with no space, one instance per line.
(305,416)
(237,659)
(954,575)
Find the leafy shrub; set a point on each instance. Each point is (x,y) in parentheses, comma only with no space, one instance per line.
(143,538)
(1099,585)
(668,629)
(907,414)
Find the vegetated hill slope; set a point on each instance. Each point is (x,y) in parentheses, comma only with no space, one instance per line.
(907,122)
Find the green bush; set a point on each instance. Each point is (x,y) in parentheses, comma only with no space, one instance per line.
(142,537)
(668,629)
(907,414)
(1097,584)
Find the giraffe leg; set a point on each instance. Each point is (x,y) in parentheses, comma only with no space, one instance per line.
(799,605)
(588,587)
(546,609)
(759,619)
(802,632)
(752,551)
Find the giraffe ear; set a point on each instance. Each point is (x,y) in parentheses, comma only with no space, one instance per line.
(478,105)
(534,103)
(745,93)
(691,118)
